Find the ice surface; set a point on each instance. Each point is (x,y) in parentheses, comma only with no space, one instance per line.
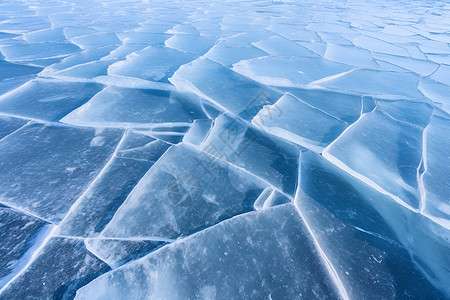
(137,153)
(47,100)
(127,107)
(279,46)
(383,152)
(221,150)
(435,178)
(198,193)
(249,148)
(197,45)
(358,234)
(24,52)
(231,54)
(45,168)
(8,125)
(233,257)
(224,87)
(295,120)
(141,64)
(198,131)
(395,85)
(345,107)
(350,55)
(19,233)
(116,252)
(289,71)
(62,266)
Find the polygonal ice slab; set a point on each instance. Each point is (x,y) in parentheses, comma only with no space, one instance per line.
(61,267)
(126,107)
(10,70)
(194,44)
(152,63)
(45,168)
(85,56)
(225,88)
(47,100)
(230,54)
(116,252)
(186,190)
(421,67)
(46,35)
(198,131)
(19,233)
(296,121)
(137,153)
(383,152)
(8,125)
(378,45)
(96,40)
(37,51)
(82,72)
(294,31)
(250,148)
(243,256)
(436,91)
(289,71)
(436,177)
(345,107)
(396,85)
(280,46)
(367,236)
(353,56)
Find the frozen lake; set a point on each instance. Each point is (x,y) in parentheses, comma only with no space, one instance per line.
(224,149)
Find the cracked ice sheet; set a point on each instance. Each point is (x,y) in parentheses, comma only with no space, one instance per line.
(139,108)
(62,266)
(141,64)
(223,87)
(437,168)
(134,156)
(254,150)
(396,85)
(45,168)
(237,256)
(296,121)
(289,71)
(19,233)
(117,252)
(385,151)
(399,43)
(359,231)
(199,191)
(47,100)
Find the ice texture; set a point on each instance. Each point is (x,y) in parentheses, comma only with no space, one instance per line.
(45,168)
(246,247)
(198,149)
(212,191)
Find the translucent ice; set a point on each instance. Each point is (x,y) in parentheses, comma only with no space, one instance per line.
(62,266)
(199,191)
(250,148)
(34,101)
(235,256)
(295,120)
(383,152)
(126,107)
(157,149)
(45,168)
(241,95)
